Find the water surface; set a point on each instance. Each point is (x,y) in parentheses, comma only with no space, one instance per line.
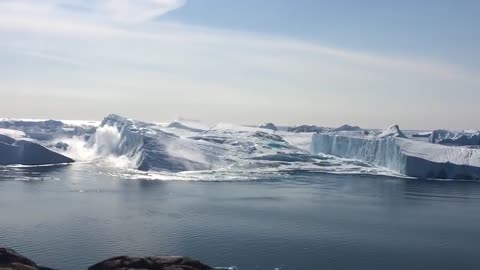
(71,217)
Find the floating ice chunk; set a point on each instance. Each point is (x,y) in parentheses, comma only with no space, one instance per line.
(347,128)
(12,133)
(307,128)
(183,126)
(393,131)
(425,134)
(21,152)
(468,137)
(270,126)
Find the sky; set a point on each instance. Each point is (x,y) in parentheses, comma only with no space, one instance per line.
(371,63)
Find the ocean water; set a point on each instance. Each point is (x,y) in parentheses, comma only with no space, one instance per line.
(73,216)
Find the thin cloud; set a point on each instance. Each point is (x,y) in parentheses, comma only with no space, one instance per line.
(180,67)
(137,11)
(51,57)
(100,19)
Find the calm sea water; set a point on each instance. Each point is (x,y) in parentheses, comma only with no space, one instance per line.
(71,217)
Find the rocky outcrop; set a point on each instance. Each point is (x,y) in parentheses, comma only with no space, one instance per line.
(11,260)
(150,263)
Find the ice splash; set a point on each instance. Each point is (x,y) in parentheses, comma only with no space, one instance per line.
(103,148)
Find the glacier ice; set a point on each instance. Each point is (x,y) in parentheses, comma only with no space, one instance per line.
(168,148)
(47,130)
(147,147)
(23,152)
(187,147)
(270,126)
(468,137)
(423,134)
(307,128)
(391,149)
(347,128)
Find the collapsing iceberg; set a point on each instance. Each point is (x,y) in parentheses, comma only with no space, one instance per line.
(145,146)
(393,150)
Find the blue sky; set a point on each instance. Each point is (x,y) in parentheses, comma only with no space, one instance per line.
(439,28)
(371,63)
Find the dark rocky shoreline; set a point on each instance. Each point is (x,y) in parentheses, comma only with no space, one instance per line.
(11,260)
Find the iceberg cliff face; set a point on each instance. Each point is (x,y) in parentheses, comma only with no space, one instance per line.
(21,152)
(412,158)
(146,147)
(470,137)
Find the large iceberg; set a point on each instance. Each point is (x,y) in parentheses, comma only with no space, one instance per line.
(23,152)
(47,130)
(146,146)
(181,146)
(468,137)
(169,148)
(391,149)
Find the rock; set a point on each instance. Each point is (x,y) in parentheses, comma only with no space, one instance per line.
(150,263)
(11,260)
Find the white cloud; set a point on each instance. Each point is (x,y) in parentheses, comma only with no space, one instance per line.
(100,19)
(135,11)
(69,11)
(189,68)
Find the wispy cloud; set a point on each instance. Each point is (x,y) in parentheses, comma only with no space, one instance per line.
(114,18)
(135,11)
(122,49)
(121,11)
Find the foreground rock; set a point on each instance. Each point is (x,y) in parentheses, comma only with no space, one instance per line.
(11,260)
(150,263)
(14,152)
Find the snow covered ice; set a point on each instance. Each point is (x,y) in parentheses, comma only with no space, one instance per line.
(393,150)
(23,152)
(187,149)
(461,138)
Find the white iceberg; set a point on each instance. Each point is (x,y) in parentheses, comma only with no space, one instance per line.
(467,137)
(22,152)
(269,126)
(392,150)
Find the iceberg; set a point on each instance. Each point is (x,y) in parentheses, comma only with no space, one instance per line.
(269,126)
(423,134)
(48,130)
(168,148)
(146,147)
(347,128)
(23,152)
(179,125)
(392,150)
(307,129)
(462,138)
